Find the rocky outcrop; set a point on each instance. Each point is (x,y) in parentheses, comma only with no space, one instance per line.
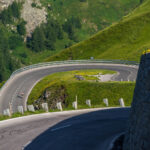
(137,136)
(78,77)
(52,95)
(34,16)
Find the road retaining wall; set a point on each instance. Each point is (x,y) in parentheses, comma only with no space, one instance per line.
(137,135)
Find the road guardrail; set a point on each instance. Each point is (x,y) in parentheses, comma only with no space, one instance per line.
(39,65)
(73,62)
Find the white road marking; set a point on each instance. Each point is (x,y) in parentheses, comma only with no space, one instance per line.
(60,127)
(24,146)
(114,140)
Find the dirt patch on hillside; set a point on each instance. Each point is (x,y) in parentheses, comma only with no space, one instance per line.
(34,16)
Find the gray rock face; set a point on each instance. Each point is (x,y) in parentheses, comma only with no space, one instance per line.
(78,77)
(137,136)
(32,15)
(47,94)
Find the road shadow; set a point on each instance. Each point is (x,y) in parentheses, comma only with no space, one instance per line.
(83,132)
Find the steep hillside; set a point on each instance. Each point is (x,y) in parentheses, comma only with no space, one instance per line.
(78,19)
(33,16)
(124,40)
(95,15)
(54,24)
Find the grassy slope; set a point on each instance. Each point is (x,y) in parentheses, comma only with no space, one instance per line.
(84,89)
(31,57)
(125,40)
(95,15)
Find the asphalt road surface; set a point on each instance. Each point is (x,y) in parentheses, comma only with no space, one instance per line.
(74,130)
(25,81)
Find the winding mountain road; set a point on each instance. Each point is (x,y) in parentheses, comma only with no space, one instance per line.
(24,82)
(91,129)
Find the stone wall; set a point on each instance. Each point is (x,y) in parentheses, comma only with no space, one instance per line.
(137,136)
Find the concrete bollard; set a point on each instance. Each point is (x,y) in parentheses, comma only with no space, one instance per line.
(105,100)
(10,109)
(88,102)
(121,101)
(6,112)
(20,109)
(45,106)
(75,105)
(59,106)
(31,108)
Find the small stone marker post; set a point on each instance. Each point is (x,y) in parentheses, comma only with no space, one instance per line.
(88,102)
(6,112)
(45,106)
(59,106)
(10,108)
(31,108)
(91,58)
(105,100)
(20,109)
(75,105)
(121,101)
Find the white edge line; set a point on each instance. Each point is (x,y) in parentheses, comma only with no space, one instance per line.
(114,139)
(62,127)
(24,146)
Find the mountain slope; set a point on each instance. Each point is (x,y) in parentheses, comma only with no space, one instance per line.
(64,23)
(95,15)
(125,40)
